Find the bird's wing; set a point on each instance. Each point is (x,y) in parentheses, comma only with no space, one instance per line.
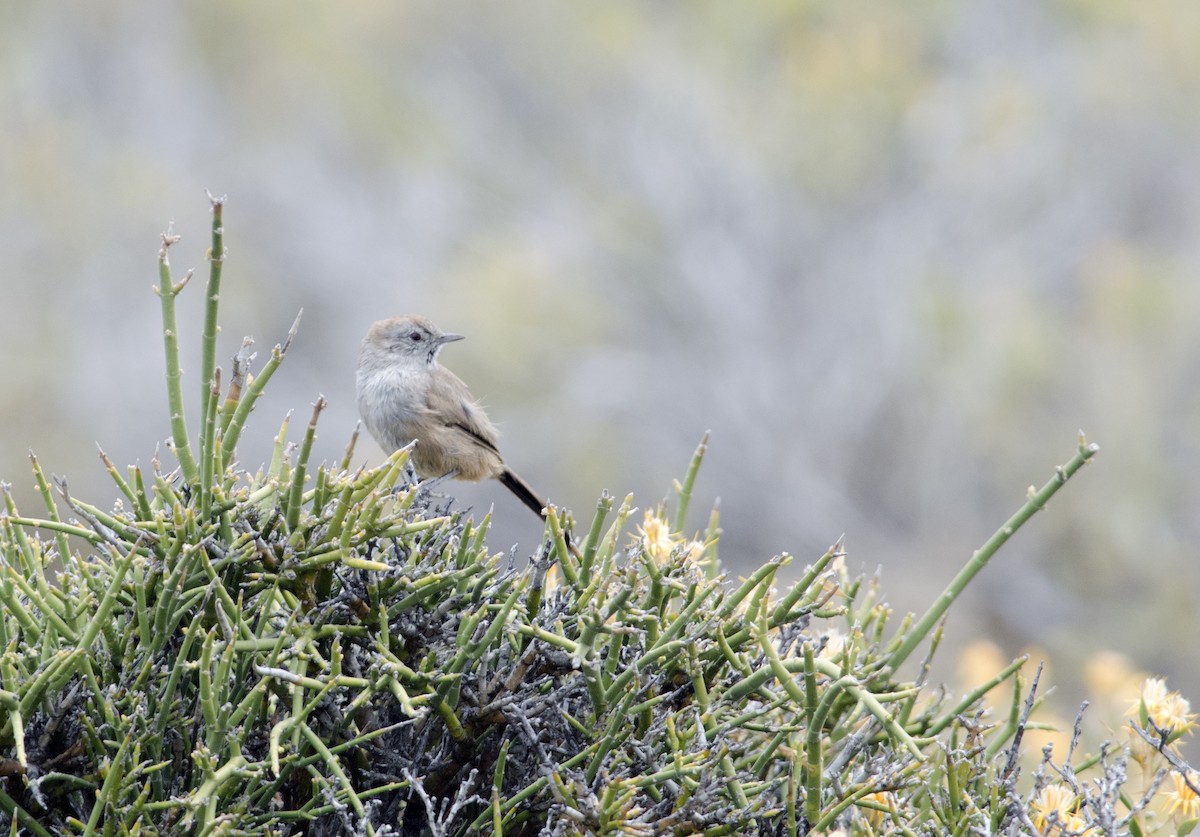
(469,418)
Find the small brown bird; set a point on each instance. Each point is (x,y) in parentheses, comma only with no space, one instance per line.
(405,394)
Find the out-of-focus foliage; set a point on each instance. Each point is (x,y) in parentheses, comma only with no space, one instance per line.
(889,256)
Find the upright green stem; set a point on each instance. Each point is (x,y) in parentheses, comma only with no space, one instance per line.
(212,296)
(1037,500)
(685,490)
(296,495)
(592,541)
(167,291)
(208,444)
(233,429)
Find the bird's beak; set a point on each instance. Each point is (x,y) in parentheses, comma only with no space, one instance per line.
(450,338)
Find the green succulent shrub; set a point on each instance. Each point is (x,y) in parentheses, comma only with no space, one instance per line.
(328,650)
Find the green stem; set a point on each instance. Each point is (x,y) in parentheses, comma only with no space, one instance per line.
(975,694)
(592,541)
(208,452)
(212,296)
(1037,500)
(801,588)
(64,549)
(685,490)
(167,291)
(296,496)
(569,570)
(234,431)
(107,795)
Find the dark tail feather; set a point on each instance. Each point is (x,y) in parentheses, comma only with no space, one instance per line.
(524,493)
(529,497)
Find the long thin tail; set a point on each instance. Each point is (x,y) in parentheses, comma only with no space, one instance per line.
(524,493)
(530,498)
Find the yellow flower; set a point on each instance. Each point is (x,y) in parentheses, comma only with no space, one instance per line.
(886,799)
(1184,800)
(1166,710)
(657,539)
(694,551)
(1056,811)
(1076,825)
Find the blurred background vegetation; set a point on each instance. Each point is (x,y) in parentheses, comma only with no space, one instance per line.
(894,257)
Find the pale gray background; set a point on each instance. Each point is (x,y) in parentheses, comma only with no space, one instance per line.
(894,256)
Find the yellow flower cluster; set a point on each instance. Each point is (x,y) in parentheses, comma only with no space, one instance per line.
(659,542)
(1184,802)
(1160,712)
(1167,711)
(885,800)
(1055,811)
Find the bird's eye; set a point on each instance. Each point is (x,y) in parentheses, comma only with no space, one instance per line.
(415,337)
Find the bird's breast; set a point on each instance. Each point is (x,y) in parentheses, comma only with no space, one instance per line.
(390,403)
